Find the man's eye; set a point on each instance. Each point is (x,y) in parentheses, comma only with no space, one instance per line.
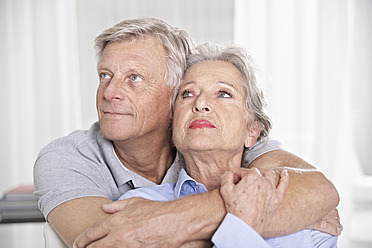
(135,78)
(104,76)
(224,94)
(186,94)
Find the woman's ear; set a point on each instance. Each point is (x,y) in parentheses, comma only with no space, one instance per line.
(253,134)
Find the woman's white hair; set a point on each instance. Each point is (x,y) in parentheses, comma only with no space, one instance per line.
(176,43)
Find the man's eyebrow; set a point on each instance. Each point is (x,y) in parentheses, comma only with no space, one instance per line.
(102,66)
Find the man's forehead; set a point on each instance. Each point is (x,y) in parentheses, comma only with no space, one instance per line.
(154,45)
(140,51)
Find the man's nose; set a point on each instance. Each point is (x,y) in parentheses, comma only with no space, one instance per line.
(114,90)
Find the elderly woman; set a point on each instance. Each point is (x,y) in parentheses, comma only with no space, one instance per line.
(218,114)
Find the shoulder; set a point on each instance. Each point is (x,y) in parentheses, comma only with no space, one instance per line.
(261,147)
(74,141)
(82,153)
(78,165)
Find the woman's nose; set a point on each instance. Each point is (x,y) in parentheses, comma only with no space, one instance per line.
(202,105)
(204,109)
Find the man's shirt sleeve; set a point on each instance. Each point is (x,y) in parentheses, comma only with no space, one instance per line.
(261,147)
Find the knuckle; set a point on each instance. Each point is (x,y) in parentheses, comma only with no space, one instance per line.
(90,232)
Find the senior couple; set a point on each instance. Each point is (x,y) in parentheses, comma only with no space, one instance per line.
(145,68)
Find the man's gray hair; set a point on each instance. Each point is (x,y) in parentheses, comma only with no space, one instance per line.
(176,43)
(239,57)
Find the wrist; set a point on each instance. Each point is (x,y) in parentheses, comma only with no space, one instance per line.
(209,211)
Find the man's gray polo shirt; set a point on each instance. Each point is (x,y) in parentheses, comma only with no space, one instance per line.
(84,164)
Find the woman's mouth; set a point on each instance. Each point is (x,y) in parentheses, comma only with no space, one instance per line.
(201,124)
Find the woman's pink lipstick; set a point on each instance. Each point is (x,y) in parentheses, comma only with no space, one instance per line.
(201,124)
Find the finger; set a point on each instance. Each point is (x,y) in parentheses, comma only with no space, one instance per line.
(271,176)
(104,242)
(114,207)
(90,235)
(333,219)
(227,183)
(327,227)
(242,172)
(258,171)
(283,183)
(335,213)
(237,178)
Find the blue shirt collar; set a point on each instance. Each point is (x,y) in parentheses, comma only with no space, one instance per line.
(187,186)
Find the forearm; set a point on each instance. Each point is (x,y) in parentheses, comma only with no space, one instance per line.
(309,197)
(138,222)
(200,215)
(73,217)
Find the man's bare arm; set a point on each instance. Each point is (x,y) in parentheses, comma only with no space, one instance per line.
(137,222)
(197,217)
(73,217)
(310,195)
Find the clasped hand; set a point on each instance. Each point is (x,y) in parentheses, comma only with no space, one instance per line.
(253,196)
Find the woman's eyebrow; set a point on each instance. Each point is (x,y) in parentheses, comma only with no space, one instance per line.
(226,84)
(187,83)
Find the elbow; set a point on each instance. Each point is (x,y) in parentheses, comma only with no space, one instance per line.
(335,196)
(331,195)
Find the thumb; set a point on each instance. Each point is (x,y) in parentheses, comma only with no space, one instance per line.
(114,207)
(283,183)
(227,183)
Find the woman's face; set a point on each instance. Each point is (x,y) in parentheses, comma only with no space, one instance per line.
(210,111)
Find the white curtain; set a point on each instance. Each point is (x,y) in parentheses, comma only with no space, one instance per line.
(319,93)
(308,48)
(40,94)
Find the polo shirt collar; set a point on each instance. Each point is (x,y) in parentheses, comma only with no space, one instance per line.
(122,174)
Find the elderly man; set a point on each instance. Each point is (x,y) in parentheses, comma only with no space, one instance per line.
(78,176)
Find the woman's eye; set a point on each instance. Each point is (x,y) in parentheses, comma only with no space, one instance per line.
(224,94)
(135,78)
(104,76)
(186,94)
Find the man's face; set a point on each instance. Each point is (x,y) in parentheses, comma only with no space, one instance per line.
(133,101)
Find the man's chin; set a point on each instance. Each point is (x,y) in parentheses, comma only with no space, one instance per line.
(115,131)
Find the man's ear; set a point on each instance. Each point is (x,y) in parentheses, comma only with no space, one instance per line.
(253,134)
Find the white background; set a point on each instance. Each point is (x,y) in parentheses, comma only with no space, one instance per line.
(317,53)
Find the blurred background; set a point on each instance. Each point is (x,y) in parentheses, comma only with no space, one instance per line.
(318,55)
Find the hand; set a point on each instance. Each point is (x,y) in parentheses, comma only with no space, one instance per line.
(253,197)
(329,224)
(135,222)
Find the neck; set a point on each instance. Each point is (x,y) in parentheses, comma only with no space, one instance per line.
(208,167)
(149,158)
